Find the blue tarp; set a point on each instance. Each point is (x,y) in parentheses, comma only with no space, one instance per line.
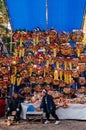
(62,14)
(66,14)
(27,14)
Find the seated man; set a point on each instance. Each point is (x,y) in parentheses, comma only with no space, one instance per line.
(14,107)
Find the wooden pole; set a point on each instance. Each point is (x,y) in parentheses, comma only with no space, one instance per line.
(46,14)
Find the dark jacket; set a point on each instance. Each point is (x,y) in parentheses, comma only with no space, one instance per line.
(48,104)
(13,104)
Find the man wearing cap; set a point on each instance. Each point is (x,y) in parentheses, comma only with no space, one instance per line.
(49,107)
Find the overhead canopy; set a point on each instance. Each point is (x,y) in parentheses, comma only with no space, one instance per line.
(66,14)
(62,14)
(27,14)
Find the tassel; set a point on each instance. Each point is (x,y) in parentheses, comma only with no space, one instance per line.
(55,75)
(37,40)
(15,70)
(18,81)
(78,52)
(14,80)
(22,52)
(70,65)
(70,78)
(44,72)
(16,52)
(54,52)
(60,75)
(48,40)
(57,65)
(21,40)
(11,79)
(30,71)
(34,41)
(65,65)
(47,63)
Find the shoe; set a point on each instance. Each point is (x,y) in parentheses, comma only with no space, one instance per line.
(57,122)
(47,122)
(17,122)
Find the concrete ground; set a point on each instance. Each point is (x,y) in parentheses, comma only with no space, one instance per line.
(25,125)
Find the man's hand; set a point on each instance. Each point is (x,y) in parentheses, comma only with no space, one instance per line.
(8,108)
(17,109)
(50,108)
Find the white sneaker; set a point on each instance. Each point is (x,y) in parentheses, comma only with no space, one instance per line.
(47,122)
(57,122)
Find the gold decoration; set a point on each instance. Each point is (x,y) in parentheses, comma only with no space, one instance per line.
(56,75)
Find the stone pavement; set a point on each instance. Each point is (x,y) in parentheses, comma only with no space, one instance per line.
(25,125)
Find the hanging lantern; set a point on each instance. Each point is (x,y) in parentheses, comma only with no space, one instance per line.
(79,48)
(75,73)
(82,81)
(77,35)
(64,37)
(83,57)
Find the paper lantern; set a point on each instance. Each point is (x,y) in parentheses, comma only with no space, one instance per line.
(77,35)
(64,37)
(82,80)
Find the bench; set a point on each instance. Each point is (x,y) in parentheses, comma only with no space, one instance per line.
(34,116)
